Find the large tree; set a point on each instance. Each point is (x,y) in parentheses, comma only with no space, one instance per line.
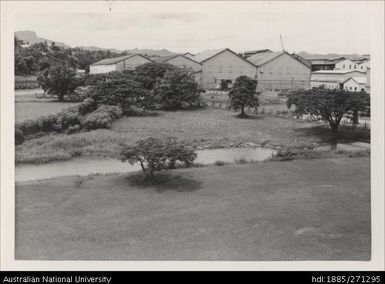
(177,90)
(243,94)
(121,91)
(330,105)
(150,73)
(59,80)
(154,154)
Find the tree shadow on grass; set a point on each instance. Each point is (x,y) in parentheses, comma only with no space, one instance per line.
(344,134)
(248,116)
(165,181)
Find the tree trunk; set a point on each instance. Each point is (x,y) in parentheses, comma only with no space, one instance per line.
(61,97)
(243,111)
(334,125)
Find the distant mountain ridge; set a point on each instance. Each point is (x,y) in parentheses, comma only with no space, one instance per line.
(330,56)
(31,37)
(148,52)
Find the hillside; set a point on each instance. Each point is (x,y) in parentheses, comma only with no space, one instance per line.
(31,37)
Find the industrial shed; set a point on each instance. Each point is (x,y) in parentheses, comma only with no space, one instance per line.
(222,65)
(121,63)
(280,70)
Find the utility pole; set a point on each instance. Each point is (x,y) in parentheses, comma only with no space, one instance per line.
(283,48)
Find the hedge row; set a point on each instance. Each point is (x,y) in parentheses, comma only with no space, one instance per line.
(71,120)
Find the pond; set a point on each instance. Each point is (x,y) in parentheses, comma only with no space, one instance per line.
(87,166)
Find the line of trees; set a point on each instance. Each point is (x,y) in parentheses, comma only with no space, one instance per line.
(33,59)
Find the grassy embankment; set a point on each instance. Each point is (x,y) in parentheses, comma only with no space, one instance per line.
(199,128)
(31,110)
(303,210)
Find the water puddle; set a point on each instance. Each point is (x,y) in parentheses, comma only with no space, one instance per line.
(87,166)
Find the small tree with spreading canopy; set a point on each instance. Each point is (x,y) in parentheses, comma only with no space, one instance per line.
(243,94)
(154,154)
(59,80)
(329,105)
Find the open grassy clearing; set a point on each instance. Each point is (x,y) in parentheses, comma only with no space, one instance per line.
(206,127)
(303,210)
(30,110)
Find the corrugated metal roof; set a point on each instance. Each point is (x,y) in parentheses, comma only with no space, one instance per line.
(204,55)
(114,60)
(261,58)
(162,59)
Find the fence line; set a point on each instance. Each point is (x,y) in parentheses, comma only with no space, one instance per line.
(285,114)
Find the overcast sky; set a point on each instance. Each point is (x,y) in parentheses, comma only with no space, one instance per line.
(326,27)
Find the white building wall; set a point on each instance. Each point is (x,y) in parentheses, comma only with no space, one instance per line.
(364,66)
(99,69)
(225,66)
(353,86)
(330,76)
(326,84)
(346,64)
(283,72)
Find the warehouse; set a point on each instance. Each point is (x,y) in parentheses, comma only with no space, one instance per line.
(279,71)
(121,63)
(222,65)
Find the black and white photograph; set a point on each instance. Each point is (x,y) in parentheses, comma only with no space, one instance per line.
(192,131)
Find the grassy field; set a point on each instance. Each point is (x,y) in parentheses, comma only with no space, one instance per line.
(206,127)
(303,210)
(29,110)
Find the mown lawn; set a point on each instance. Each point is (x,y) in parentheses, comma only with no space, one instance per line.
(303,210)
(205,127)
(29,110)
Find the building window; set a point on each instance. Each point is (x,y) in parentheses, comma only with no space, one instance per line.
(350,66)
(343,66)
(362,67)
(355,66)
(350,88)
(355,88)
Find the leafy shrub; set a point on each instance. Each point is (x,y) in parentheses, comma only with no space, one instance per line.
(114,111)
(219,163)
(50,123)
(87,106)
(73,129)
(102,117)
(19,136)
